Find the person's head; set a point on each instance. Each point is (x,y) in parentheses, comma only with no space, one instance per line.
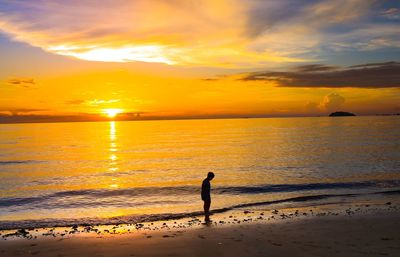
(210,175)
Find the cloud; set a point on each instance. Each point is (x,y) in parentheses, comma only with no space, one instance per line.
(23,82)
(162,31)
(372,75)
(316,29)
(225,33)
(21,111)
(315,68)
(75,102)
(370,37)
(98,102)
(312,107)
(332,102)
(391,13)
(210,79)
(266,15)
(92,102)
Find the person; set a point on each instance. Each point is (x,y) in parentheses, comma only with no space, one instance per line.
(206,194)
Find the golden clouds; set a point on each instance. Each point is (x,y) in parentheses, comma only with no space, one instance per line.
(201,33)
(273,57)
(147,53)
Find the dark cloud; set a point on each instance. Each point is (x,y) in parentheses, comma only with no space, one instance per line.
(210,79)
(216,78)
(372,75)
(315,67)
(367,65)
(24,82)
(75,102)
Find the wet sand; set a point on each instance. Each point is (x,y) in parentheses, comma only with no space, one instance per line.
(353,231)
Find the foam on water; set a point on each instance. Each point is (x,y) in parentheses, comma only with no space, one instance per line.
(130,219)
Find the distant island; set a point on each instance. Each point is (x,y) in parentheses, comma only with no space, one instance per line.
(340,114)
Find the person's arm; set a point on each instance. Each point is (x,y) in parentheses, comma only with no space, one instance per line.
(207,188)
(203,189)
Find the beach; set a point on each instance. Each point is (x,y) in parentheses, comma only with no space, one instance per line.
(282,187)
(332,230)
(199,128)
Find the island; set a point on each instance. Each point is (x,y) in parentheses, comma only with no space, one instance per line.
(341,114)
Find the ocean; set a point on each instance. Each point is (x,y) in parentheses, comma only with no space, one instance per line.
(56,174)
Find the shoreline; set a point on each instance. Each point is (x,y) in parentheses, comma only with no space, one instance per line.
(331,230)
(263,214)
(292,202)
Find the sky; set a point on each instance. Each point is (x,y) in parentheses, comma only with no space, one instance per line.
(138,59)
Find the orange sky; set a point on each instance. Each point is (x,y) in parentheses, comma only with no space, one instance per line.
(160,59)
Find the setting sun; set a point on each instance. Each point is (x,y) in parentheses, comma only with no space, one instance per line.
(115,115)
(111,113)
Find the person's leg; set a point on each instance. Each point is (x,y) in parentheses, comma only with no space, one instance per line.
(207,204)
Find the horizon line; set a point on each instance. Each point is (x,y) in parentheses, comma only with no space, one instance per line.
(58,119)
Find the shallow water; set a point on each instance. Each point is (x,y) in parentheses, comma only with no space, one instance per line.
(106,169)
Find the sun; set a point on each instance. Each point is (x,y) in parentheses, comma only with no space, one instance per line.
(111,113)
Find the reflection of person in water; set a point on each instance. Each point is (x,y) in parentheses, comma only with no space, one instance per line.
(206,194)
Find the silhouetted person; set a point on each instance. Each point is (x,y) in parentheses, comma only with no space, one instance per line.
(206,195)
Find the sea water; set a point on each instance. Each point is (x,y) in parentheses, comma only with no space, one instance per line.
(100,172)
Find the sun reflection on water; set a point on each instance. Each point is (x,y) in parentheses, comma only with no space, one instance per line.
(113,131)
(113,164)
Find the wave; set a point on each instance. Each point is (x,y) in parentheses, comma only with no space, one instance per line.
(131,219)
(77,198)
(310,186)
(19,162)
(304,199)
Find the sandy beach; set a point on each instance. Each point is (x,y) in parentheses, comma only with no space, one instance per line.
(357,230)
(201,128)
